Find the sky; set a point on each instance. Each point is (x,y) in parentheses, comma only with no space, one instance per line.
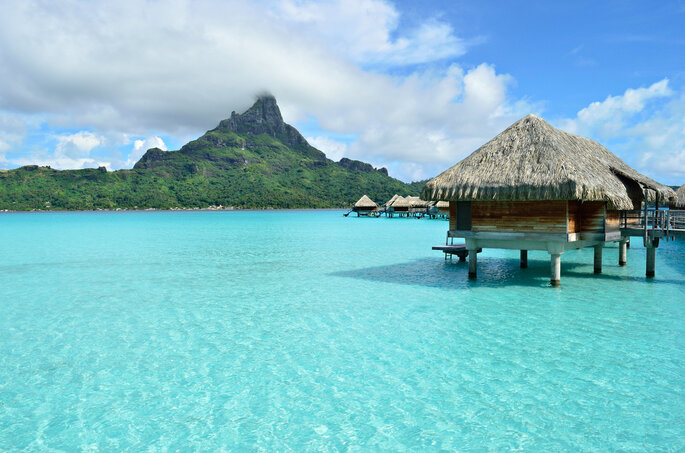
(411,86)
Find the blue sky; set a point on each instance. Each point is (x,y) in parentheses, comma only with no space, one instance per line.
(413,86)
(569,54)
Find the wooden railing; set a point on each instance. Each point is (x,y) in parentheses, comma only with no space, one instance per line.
(668,222)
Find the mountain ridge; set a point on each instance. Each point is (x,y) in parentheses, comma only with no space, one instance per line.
(249,160)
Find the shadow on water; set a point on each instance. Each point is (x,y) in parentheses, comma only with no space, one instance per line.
(492,272)
(622,278)
(436,273)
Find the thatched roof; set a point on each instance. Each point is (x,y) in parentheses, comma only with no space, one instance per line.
(443,204)
(400,202)
(365,202)
(392,200)
(416,202)
(680,197)
(531,160)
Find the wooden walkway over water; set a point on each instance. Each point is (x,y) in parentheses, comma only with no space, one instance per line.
(653,223)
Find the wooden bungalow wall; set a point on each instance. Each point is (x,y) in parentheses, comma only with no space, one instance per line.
(591,217)
(558,216)
(519,216)
(613,222)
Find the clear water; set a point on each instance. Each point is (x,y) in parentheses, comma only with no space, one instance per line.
(308,331)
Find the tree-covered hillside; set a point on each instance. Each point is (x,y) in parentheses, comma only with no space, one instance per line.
(253,160)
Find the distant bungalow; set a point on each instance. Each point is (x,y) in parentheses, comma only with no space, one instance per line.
(391,200)
(400,206)
(387,207)
(443,207)
(417,206)
(364,206)
(534,187)
(680,197)
(438,209)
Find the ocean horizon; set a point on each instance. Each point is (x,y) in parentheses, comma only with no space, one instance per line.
(303,330)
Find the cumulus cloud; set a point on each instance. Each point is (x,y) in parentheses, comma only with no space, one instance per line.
(140,146)
(645,126)
(608,117)
(445,118)
(142,68)
(71,151)
(60,162)
(364,30)
(77,145)
(333,149)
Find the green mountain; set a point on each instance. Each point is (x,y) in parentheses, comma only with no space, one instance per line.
(252,160)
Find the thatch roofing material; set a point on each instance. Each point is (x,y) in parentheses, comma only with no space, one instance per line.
(416,202)
(531,160)
(443,204)
(365,202)
(392,200)
(400,202)
(680,197)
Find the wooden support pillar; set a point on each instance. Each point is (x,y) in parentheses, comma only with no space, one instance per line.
(524,259)
(473,263)
(598,258)
(555,268)
(622,252)
(651,260)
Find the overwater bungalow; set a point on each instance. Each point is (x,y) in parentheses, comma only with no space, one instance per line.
(387,207)
(443,208)
(417,206)
(438,209)
(400,207)
(391,201)
(535,187)
(365,206)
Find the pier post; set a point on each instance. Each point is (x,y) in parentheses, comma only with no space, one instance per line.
(598,258)
(524,259)
(555,262)
(651,259)
(473,262)
(622,252)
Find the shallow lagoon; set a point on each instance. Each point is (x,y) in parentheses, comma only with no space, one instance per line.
(305,330)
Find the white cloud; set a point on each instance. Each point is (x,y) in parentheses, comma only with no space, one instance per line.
(432,119)
(78,144)
(607,118)
(150,142)
(334,150)
(645,126)
(141,146)
(71,151)
(364,29)
(60,162)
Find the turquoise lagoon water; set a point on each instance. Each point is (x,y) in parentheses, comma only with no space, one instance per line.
(308,331)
